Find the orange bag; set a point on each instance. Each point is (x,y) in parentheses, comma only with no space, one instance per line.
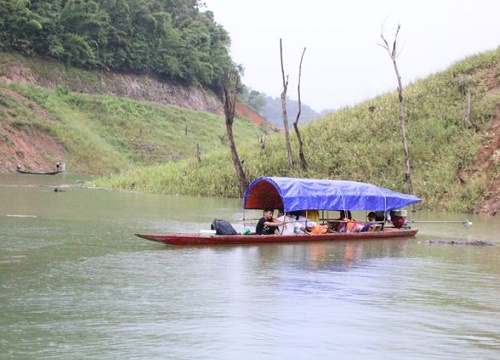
(319,229)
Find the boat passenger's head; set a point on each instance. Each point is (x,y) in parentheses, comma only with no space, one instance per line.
(268,213)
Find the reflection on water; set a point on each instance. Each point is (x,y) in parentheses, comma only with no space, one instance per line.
(76,283)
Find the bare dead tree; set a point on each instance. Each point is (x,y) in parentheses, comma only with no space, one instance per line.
(263,143)
(283,106)
(467,111)
(229,92)
(464,89)
(198,153)
(393,54)
(303,162)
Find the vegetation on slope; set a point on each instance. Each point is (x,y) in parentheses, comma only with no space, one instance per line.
(364,143)
(172,40)
(106,134)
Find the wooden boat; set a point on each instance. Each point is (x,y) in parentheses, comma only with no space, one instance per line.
(291,194)
(38,172)
(60,167)
(201,239)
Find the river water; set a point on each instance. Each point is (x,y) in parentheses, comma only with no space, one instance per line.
(75,283)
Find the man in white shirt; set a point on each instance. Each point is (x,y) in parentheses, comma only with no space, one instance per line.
(290,226)
(294,224)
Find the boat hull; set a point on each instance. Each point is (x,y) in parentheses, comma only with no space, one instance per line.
(201,239)
(38,173)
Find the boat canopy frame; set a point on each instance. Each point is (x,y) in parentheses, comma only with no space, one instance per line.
(296,194)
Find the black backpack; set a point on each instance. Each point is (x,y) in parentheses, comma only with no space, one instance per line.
(222,227)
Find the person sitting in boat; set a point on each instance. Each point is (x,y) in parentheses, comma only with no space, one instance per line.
(290,225)
(382,217)
(398,218)
(351,223)
(267,225)
(372,224)
(340,224)
(304,224)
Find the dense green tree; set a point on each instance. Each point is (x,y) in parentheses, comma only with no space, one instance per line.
(165,61)
(17,25)
(219,57)
(169,38)
(84,28)
(114,52)
(47,40)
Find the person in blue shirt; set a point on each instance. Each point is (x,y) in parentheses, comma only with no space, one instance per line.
(371,225)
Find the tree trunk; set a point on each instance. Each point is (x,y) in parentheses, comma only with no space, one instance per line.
(229,101)
(402,118)
(467,111)
(198,153)
(393,55)
(285,117)
(303,162)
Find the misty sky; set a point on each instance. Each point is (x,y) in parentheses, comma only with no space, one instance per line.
(344,63)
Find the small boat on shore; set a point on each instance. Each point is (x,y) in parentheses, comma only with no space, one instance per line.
(60,167)
(38,172)
(292,194)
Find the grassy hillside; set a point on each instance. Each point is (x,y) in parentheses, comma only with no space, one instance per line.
(359,144)
(152,147)
(105,134)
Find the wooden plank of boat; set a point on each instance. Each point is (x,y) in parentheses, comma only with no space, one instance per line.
(201,239)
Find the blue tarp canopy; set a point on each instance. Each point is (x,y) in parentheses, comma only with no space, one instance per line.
(293,194)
